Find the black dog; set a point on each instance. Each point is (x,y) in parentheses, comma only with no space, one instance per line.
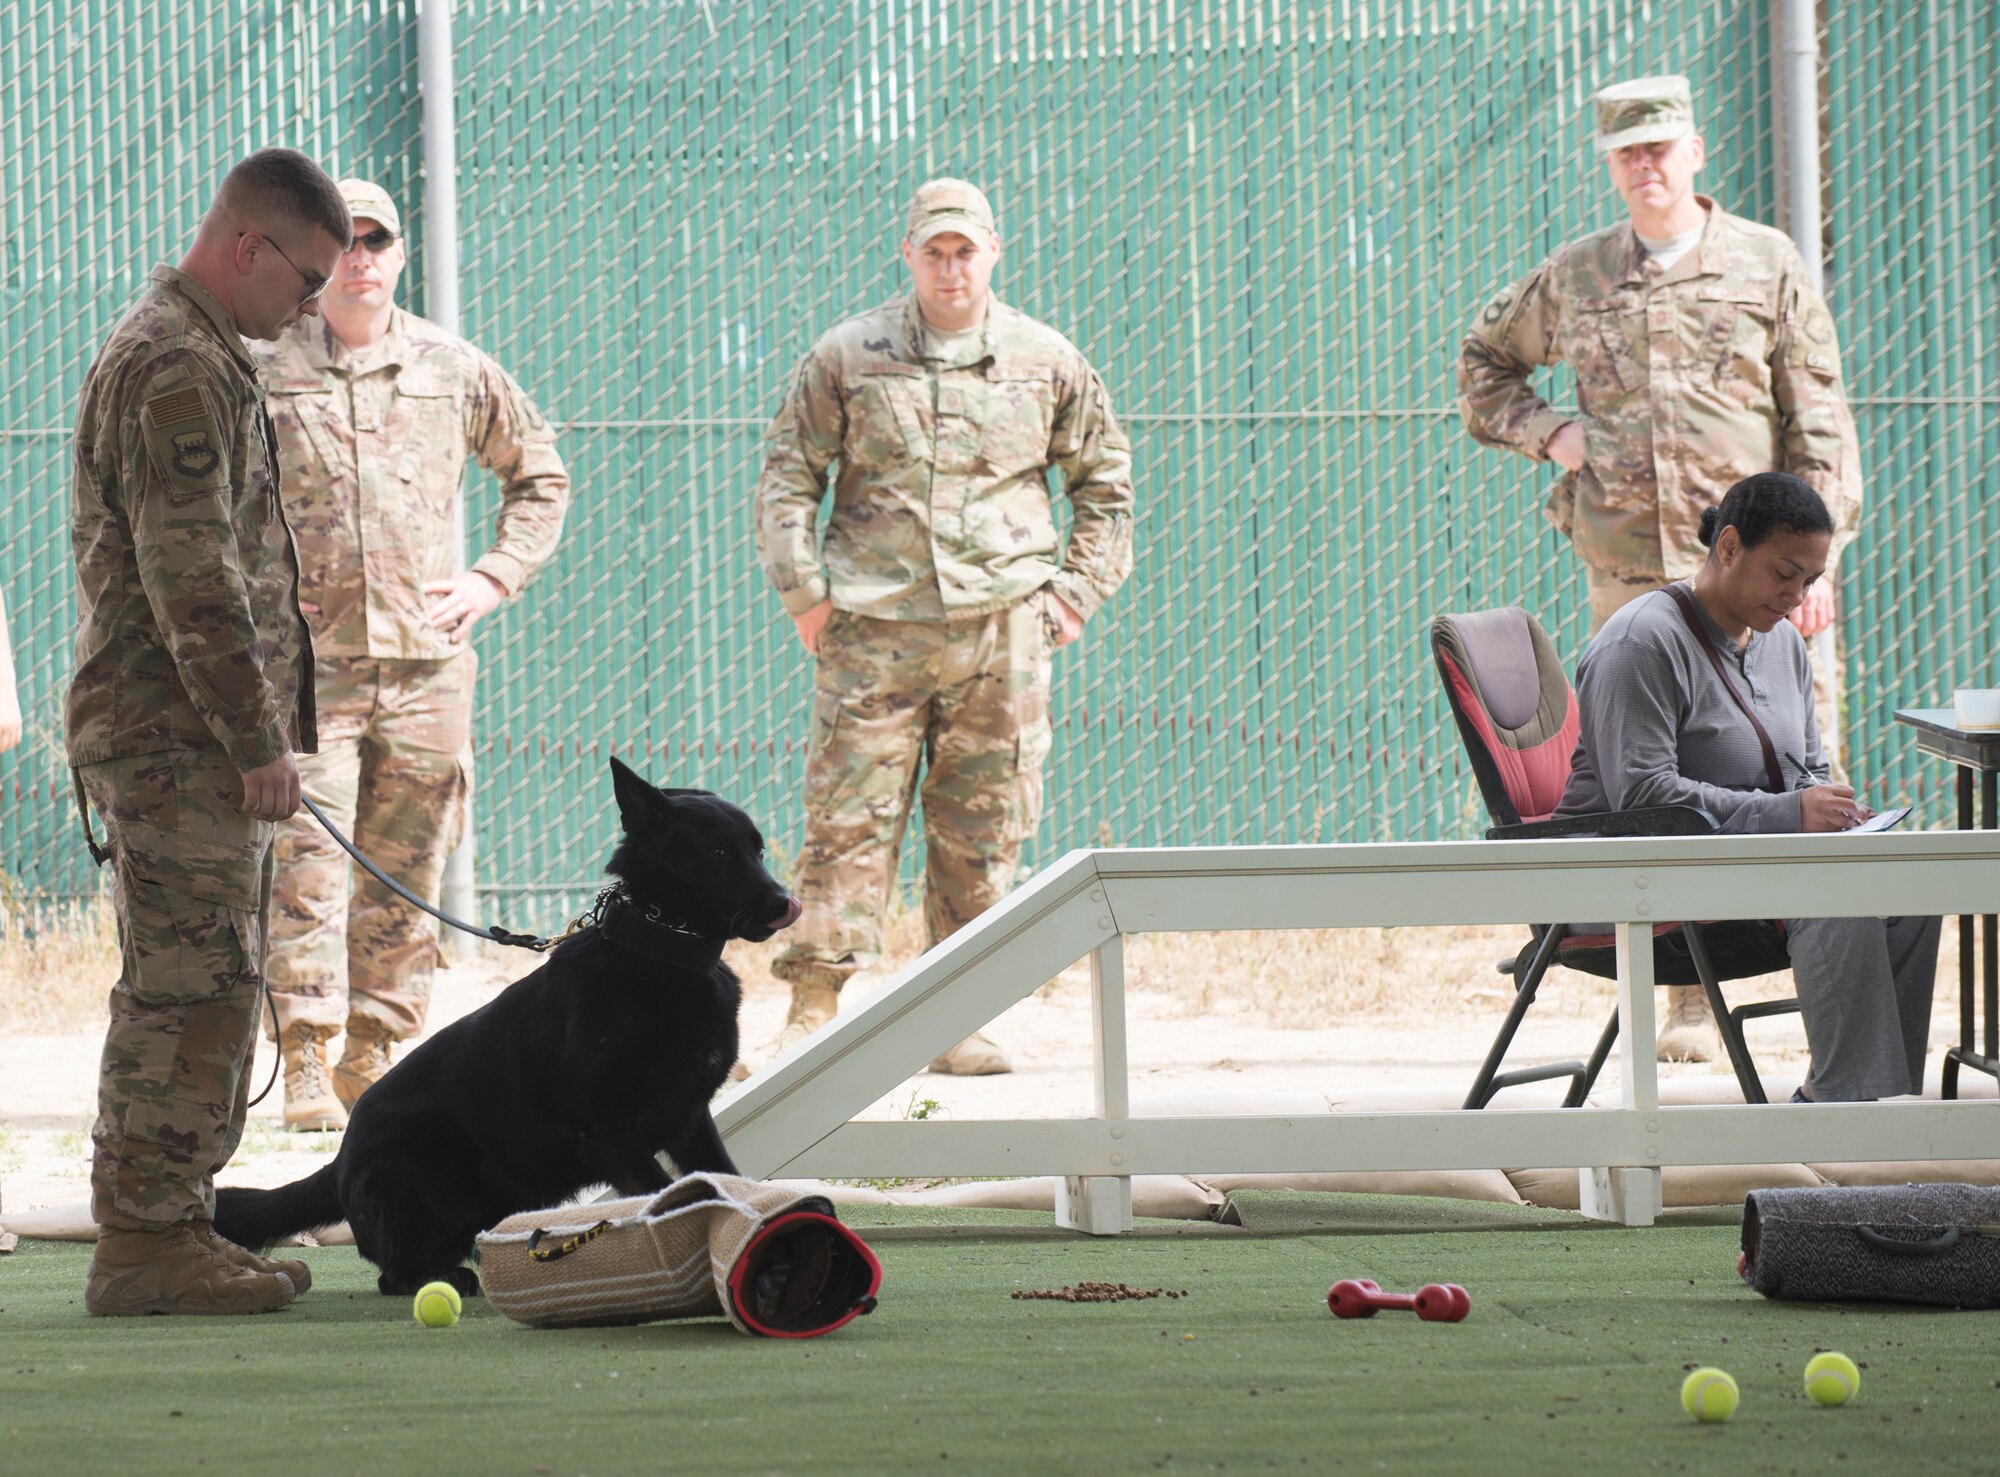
(577,1075)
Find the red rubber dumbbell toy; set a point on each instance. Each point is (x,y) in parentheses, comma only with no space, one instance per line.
(1434,1303)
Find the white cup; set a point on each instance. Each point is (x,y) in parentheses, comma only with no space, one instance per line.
(1977,707)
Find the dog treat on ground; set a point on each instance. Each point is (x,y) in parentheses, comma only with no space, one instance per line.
(1096,1292)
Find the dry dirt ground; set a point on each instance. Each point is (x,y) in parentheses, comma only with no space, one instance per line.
(1221,1030)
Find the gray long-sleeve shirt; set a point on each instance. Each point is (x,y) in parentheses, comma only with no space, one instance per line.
(1659,729)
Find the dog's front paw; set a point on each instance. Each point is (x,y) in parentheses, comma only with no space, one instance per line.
(464,1279)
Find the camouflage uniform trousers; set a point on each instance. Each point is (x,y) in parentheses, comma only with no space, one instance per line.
(192,881)
(1613,589)
(391,774)
(970,699)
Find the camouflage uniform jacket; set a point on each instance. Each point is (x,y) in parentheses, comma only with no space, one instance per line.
(941,507)
(189,633)
(373,445)
(1689,379)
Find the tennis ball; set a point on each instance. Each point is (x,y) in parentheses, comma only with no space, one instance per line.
(437,1305)
(1709,1395)
(1832,1379)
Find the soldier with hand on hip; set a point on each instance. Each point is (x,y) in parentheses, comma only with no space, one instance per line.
(192,696)
(1702,354)
(940,592)
(377,411)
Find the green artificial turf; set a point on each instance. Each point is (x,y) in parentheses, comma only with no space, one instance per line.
(1570,1363)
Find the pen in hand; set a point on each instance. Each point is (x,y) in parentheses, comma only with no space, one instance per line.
(1852,816)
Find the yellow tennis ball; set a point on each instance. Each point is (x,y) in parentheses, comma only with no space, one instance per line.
(437,1305)
(1832,1379)
(1709,1395)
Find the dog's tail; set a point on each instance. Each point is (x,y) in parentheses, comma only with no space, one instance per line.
(260,1217)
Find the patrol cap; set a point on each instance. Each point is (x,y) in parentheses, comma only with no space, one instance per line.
(1647,110)
(372,201)
(942,205)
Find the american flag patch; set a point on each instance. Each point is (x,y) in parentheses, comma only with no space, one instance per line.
(178,406)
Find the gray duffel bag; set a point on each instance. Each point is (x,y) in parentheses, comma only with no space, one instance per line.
(1933,1244)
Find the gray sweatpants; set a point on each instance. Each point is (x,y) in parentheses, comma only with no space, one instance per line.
(1865,989)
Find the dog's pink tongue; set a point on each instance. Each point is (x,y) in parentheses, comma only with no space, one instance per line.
(791,914)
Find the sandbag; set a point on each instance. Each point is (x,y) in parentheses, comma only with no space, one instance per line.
(1912,1171)
(774,1261)
(1451,1184)
(1933,1244)
(1682,1186)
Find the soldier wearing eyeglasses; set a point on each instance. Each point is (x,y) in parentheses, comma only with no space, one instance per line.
(377,412)
(193,697)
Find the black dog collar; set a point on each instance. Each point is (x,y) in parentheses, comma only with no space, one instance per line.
(645,930)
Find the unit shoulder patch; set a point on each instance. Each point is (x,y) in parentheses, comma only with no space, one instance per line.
(526,412)
(183,435)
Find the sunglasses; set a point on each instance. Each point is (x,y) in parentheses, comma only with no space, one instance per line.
(314,285)
(375,242)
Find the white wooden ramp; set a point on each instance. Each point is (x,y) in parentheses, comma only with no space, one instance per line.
(793,1119)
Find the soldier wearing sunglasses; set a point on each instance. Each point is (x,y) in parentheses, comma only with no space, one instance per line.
(377,412)
(192,696)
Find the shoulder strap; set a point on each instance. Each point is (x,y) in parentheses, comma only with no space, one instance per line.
(1682,599)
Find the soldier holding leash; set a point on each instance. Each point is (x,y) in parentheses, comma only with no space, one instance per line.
(192,697)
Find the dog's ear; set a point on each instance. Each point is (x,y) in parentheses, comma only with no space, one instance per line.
(639,804)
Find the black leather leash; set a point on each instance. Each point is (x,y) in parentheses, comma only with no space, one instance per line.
(491,931)
(643,929)
(100,854)
(639,927)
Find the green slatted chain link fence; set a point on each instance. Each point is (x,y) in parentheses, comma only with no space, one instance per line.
(1266,223)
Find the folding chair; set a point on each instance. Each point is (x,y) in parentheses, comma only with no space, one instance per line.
(1517,715)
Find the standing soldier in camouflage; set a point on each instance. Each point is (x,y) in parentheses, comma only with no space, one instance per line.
(940,593)
(377,412)
(1702,354)
(192,695)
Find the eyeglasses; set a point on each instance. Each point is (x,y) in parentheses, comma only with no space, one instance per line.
(314,285)
(375,242)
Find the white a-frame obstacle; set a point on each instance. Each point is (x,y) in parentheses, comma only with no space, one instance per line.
(793,1119)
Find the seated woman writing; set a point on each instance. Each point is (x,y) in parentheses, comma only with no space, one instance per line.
(1701,694)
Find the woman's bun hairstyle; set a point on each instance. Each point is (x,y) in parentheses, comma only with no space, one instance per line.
(1763,503)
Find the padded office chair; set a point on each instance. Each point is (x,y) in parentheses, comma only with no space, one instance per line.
(1517,715)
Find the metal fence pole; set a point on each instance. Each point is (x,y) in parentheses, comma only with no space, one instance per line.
(441,307)
(1799,139)
(1797,170)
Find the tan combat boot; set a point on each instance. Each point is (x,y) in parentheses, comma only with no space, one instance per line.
(248,1260)
(1690,1033)
(309,1100)
(813,1006)
(363,1060)
(175,1271)
(975,1056)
